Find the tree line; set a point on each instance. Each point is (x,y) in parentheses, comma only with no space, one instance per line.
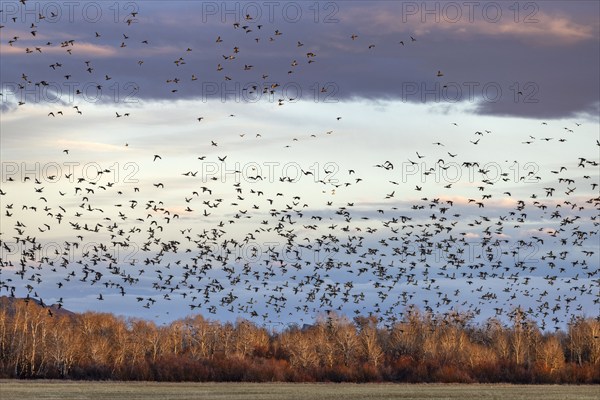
(422,347)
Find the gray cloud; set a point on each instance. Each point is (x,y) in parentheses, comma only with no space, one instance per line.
(502,68)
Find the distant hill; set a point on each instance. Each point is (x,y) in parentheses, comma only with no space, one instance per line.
(9,303)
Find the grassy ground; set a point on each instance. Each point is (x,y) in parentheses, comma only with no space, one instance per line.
(63,390)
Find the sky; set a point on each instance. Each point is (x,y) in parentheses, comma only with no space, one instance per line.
(275,160)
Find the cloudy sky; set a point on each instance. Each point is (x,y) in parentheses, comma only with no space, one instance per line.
(442,154)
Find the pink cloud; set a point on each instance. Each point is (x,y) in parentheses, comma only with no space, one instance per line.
(81,48)
(542,28)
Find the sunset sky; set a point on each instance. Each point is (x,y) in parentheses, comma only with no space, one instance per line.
(369,109)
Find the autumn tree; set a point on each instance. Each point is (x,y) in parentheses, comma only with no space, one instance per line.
(449,347)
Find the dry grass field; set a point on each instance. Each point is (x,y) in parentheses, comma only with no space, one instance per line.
(68,390)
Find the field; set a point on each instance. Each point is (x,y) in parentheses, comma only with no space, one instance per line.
(33,390)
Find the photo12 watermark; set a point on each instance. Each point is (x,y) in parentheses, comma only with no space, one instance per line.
(268,171)
(64,253)
(271,92)
(453,12)
(68,171)
(472,92)
(70,92)
(257,12)
(451,172)
(35,12)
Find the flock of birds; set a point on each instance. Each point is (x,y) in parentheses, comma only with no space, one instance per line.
(262,250)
